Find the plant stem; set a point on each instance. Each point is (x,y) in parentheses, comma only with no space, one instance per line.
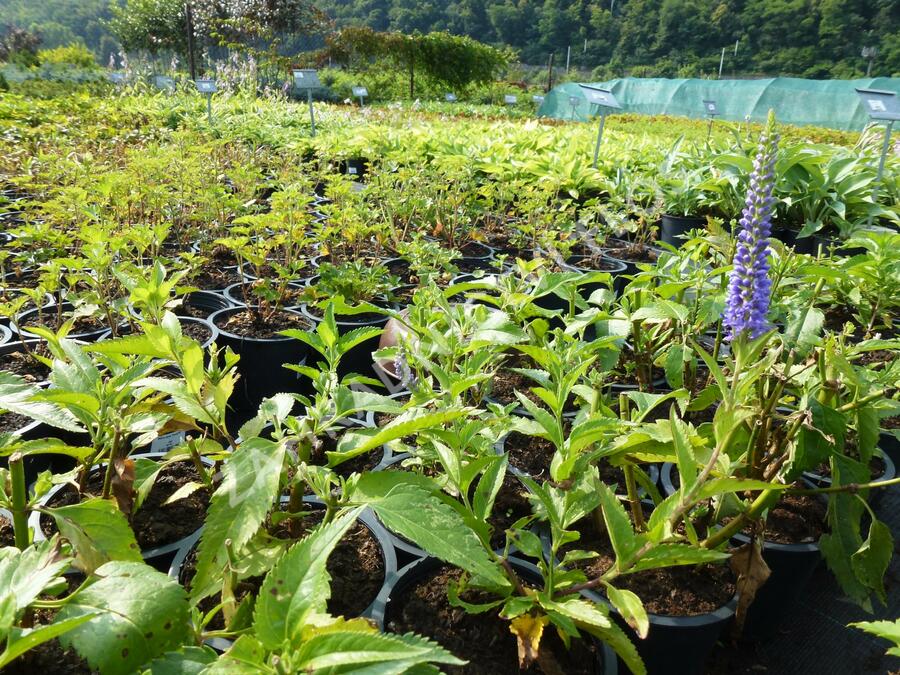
(765,499)
(852,488)
(19,500)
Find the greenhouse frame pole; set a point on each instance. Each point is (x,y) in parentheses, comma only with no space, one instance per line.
(884,152)
(599,138)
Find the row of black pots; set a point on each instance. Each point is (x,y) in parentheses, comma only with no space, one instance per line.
(367,518)
(791,566)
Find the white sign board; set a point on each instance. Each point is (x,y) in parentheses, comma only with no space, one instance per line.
(164,83)
(880,104)
(206,86)
(710,108)
(306,78)
(510,99)
(537,99)
(117,78)
(450,98)
(601,97)
(360,92)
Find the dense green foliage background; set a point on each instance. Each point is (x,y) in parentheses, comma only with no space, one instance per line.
(811,38)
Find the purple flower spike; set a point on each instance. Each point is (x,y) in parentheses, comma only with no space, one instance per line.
(749,287)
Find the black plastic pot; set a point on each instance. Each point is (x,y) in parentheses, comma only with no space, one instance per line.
(49,301)
(206,301)
(631,266)
(791,566)
(213,331)
(262,362)
(18,324)
(55,463)
(889,472)
(673,228)
(355,167)
(16,344)
(359,359)
(475,250)
(160,557)
(235,294)
(615,268)
(367,518)
(890,445)
(410,575)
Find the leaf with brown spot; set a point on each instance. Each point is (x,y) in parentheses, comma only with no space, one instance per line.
(752,572)
(123,484)
(528,630)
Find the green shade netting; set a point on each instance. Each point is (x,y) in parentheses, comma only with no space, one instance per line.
(824,103)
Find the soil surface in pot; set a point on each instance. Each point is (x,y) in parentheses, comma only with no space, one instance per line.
(595,262)
(26,365)
(631,252)
(796,519)
(688,590)
(196,331)
(49,319)
(356,567)
(838,315)
(506,383)
(510,505)
(7,534)
(10,422)
(250,324)
(484,640)
(155,523)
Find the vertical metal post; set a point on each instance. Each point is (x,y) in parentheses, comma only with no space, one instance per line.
(361,104)
(884,151)
(189,27)
(709,129)
(599,137)
(568,57)
(721,63)
(312,115)
(209,108)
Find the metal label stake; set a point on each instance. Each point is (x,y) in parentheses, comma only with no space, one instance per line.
(882,106)
(606,103)
(361,93)
(711,111)
(308,79)
(207,88)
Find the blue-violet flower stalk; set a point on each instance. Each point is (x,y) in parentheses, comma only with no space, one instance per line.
(749,286)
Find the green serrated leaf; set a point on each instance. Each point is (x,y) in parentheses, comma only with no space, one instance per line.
(98,531)
(142,614)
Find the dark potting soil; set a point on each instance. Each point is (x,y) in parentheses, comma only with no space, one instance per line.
(212,276)
(595,262)
(796,519)
(155,524)
(250,324)
(510,505)
(484,640)
(196,331)
(49,319)
(671,591)
(7,534)
(50,658)
(631,252)
(356,567)
(530,454)
(838,315)
(10,422)
(629,378)
(891,422)
(291,296)
(22,278)
(469,265)
(25,365)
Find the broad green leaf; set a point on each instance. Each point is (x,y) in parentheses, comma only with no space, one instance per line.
(422,518)
(631,608)
(342,650)
(618,525)
(185,661)
(887,630)
(672,555)
(298,585)
(25,574)
(21,641)
(142,614)
(871,561)
(98,531)
(239,505)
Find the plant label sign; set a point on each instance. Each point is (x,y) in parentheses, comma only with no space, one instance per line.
(207,87)
(117,78)
(306,78)
(710,108)
(574,101)
(450,98)
(166,442)
(510,99)
(603,98)
(880,105)
(360,92)
(537,98)
(164,83)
